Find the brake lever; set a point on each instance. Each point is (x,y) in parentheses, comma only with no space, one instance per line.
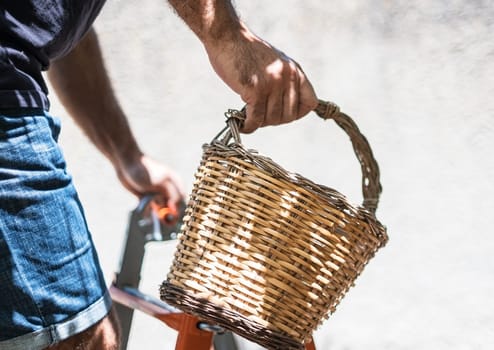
(156,222)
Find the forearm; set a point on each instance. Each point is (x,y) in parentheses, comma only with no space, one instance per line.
(213,21)
(83,86)
(273,86)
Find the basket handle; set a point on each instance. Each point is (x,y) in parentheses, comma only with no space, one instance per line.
(371,186)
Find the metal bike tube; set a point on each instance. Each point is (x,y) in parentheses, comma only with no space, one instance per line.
(130,272)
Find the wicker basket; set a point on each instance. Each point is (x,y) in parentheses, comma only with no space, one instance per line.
(266,253)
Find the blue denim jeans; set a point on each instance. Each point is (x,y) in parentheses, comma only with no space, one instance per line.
(51,284)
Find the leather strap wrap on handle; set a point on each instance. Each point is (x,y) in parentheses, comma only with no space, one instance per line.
(371,186)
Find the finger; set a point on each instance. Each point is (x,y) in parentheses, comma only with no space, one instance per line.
(171,195)
(173,201)
(291,95)
(166,208)
(307,96)
(176,191)
(168,187)
(274,112)
(256,113)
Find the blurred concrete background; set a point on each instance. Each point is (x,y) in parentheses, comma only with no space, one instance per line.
(417,76)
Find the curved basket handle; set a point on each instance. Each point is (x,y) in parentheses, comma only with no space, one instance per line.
(371,187)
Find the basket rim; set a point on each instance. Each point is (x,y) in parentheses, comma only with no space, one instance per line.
(218,151)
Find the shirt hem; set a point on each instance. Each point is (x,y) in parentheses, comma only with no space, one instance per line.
(13,99)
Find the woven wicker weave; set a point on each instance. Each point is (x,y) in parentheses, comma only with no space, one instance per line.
(266,253)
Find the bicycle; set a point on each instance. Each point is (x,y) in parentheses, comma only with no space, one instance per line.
(151,222)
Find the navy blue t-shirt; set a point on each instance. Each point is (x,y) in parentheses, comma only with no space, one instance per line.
(33,32)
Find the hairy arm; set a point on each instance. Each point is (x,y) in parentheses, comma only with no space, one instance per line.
(273,86)
(84,88)
(211,20)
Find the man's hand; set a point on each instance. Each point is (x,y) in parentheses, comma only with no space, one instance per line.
(144,175)
(273,86)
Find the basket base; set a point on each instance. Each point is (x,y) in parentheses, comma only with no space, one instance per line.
(230,320)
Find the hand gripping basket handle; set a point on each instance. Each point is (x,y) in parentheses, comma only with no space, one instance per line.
(371,186)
